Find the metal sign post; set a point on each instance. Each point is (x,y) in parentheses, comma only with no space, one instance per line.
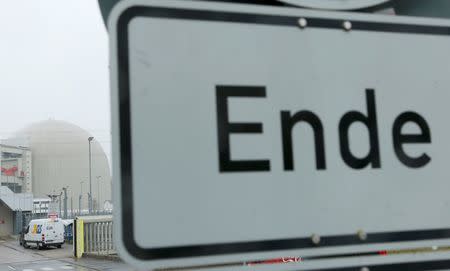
(243,133)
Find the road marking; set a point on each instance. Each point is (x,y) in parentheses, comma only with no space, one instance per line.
(10,267)
(28,270)
(66,267)
(47,268)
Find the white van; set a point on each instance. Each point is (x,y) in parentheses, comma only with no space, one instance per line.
(43,233)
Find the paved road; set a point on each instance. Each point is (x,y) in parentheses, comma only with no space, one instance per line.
(14,257)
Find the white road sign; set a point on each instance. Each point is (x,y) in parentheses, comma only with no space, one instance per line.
(243,132)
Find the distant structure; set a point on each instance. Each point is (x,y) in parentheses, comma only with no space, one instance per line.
(60,158)
(41,206)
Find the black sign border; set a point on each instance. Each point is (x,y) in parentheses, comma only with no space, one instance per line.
(164,253)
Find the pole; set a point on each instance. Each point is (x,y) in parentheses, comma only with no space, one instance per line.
(80,197)
(65,202)
(60,195)
(90,175)
(98,192)
(89,197)
(71,206)
(79,204)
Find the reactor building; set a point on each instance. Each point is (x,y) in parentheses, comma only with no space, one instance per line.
(50,155)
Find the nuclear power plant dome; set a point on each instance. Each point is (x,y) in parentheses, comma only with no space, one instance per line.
(60,158)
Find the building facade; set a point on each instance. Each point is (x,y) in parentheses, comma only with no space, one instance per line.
(16,168)
(13,208)
(6,220)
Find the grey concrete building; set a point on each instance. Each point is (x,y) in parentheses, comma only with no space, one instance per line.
(60,158)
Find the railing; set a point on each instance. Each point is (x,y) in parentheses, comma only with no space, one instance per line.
(93,235)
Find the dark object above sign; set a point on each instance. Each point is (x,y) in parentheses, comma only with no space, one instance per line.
(422,8)
(336,4)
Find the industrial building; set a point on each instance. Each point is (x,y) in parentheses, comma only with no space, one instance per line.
(60,154)
(14,207)
(43,160)
(16,168)
(49,156)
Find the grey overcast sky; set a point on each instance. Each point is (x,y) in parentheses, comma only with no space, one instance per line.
(54,64)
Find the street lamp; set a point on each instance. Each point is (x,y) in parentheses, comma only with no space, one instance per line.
(90,174)
(60,201)
(65,201)
(98,192)
(80,197)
